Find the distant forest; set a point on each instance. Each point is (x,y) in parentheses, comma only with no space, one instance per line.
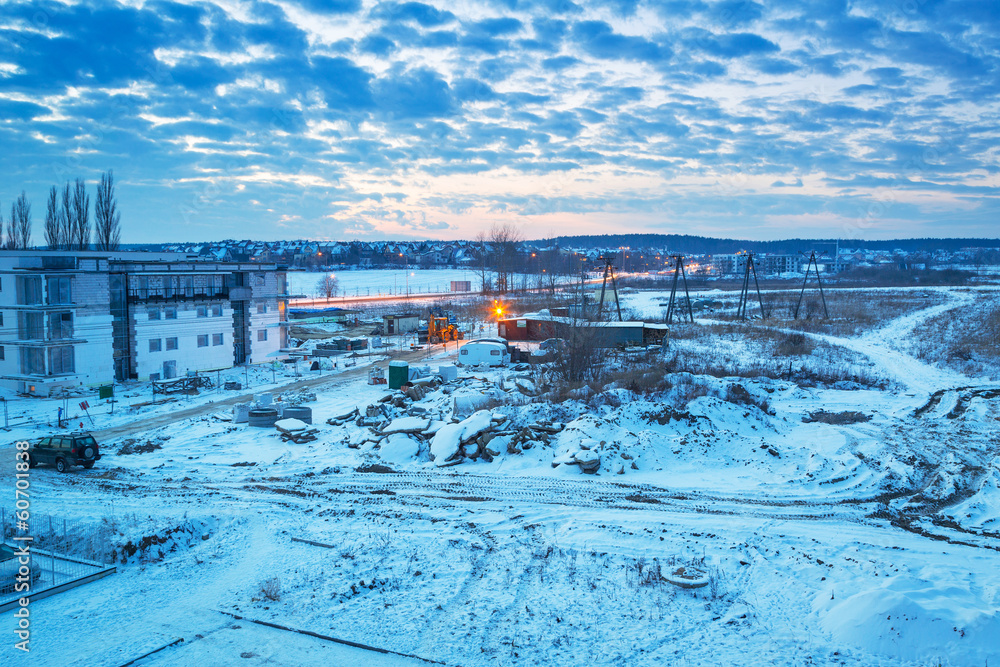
(703,245)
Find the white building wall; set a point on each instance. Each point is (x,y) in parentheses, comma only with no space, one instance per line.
(266,286)
(94,359)
(186,328)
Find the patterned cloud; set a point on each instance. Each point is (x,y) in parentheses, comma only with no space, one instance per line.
(341,119)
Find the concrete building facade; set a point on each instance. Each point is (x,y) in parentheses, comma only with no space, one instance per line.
(87,318)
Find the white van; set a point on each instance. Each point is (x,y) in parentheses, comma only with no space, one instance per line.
(483,352)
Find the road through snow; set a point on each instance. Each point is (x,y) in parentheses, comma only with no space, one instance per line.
(912,373)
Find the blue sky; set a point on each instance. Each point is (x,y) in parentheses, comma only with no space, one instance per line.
(344,119)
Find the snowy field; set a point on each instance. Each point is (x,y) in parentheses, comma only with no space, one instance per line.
(376,282)
(838,493)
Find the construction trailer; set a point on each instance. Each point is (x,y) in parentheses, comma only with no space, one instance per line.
(400,324)
(536,327)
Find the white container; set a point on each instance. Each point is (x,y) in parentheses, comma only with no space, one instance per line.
(241,412)
(264,400)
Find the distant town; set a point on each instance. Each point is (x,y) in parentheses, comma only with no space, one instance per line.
(652,254)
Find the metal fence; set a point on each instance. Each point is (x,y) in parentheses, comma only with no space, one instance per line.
(63,554)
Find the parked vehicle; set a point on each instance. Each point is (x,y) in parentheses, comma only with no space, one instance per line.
(483,352)
(62,451)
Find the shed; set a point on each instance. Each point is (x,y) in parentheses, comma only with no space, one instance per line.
(537,327)
(400,324)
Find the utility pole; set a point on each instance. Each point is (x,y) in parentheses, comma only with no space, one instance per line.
(743,312)
(609,271)
(679,273)
(812,263)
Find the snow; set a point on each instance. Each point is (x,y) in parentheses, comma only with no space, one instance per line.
(858,543)
(912,618)
(476,424)
(291,424)
(406,425)
(367,282)
(446,442)
(398,448)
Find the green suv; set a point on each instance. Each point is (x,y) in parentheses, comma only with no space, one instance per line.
(63,451)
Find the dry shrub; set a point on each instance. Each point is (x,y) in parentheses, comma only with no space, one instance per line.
(738,395)
(795,345)
(836,418)
(270,589)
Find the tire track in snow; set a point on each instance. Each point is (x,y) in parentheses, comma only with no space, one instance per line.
(915,375)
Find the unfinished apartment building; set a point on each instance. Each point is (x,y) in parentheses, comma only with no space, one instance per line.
(87,318)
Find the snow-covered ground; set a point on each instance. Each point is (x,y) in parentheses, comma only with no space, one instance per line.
(865,534)
(380,282)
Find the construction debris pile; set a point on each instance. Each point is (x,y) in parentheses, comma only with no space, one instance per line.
(457,421)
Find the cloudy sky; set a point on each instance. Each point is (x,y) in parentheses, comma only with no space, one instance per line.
(344,119)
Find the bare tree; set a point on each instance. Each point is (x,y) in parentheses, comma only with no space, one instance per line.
(19,235)
(504,239)
(107,219)
(53,222)
(327,285)
(81,216)
(579,356)
(67,219)
(485,280)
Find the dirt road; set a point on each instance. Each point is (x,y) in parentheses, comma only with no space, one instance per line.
(159,421)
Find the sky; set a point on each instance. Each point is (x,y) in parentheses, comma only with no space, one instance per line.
(350,119)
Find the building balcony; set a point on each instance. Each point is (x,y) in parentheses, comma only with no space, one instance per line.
(161,295)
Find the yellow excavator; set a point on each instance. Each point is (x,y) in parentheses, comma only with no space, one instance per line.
(439,330)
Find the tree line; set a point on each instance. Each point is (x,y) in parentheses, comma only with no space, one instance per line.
(704,245)
(67,218)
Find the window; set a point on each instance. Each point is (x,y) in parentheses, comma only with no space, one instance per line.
(60,326)
(171,285)
(154,313)
(29,290)
(59,289)
(203,340)
(494,353)
(170,313)
(215,283)
(154,344)
(188,284)
(30,326)
(32,361)
(2,356)
(61,360)
(1,319)
(261,308)
(202,311)
(262,334)
(216,339)
(172,343)
(216,311)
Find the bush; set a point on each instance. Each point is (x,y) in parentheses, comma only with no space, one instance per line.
(270,589)
(795,345)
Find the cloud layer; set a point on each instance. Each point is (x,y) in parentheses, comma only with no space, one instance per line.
(351,119)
